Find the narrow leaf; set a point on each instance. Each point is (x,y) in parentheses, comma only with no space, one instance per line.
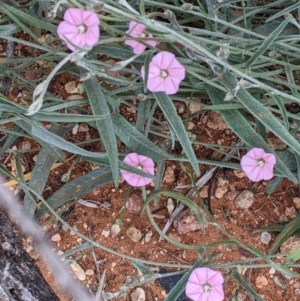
(105,126)
(241,127)
(267,42)
(176,124)
(287,231)
(77,189)
(136,141)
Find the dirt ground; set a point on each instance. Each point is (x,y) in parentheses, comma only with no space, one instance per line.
(220,193)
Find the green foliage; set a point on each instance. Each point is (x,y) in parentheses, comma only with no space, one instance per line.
(221,44)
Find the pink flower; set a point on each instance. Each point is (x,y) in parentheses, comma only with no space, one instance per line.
(141,162)
(80,27)
(137,30)
(165,73)
(258,165)
(205,284)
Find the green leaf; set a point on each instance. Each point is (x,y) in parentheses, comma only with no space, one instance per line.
(136,141)
(39,175)
(77,189)
(293,257)
(105,126)
(267,42)
(26,18)
(37,130)
(175,122)
(247,287)
(287,231)
(241,127)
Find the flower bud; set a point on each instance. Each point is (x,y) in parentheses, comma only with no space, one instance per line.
(170,206)
(187,6)
(116,228)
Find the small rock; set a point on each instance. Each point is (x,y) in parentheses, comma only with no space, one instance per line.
(272,271)
(241,296)
(187,222)
(231,195)
(204,192)
(216,122)
(148,236)
(239,174)
(265,238)
(56,237)
(296,202)
(138,295)
(245,199)
(191,125)
(77,269)
(169,176)
(222,187)
(291,212)
(283,219)
(134,234)
(70,87)
(261,281)
(134,204)
(89,272)
(194,108)
(106,232)
(290,245)
(281,281)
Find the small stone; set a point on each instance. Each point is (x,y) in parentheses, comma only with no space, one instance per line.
(216,122)
(56,237)
(290,245)
(186,222)
(239,174)
(148,236)
(265,238)
(204,192)
(134,204)
(194,108)
(106,232)
(77,269)
(138,295)
(283,219)
(261,281)
(169,176)
(191,125)
(70,87)
(245,199)
(281,281)
(89,272)
(231,195)
(296,202)
(291,212)
(134,234)
(272,271)
(222,187)
(241,296)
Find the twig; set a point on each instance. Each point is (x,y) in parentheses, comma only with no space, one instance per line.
(200,183)
(27,225)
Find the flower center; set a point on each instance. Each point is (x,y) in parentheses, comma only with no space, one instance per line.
(143,35)
(260,162)
(140,166)
(207,287)
(82,28)
(164,73)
